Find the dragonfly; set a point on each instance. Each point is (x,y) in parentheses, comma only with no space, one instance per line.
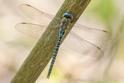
(87,36)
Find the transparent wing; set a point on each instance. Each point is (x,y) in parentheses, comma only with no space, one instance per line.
(41,17)
(92,36)
(81,30)
(35,14)
(76,45)
(30,29)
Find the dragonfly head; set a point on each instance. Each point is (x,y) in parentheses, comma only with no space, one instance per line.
(68,15)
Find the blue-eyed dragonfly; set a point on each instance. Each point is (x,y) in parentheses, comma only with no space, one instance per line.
(81,39)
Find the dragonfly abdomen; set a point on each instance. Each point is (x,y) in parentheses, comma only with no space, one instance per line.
(65,21)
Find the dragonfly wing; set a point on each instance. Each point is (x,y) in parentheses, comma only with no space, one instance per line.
(93,35)
(30,29)
(35,14)
(85,41)
(90,28)
(81,50)
(81,39)
(90,34)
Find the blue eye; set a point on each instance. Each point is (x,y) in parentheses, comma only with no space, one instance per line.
(68,15)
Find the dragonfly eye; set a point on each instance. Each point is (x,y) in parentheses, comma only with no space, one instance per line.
(68,15)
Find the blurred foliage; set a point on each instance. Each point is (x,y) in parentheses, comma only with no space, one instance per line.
(110,81)
(106,10)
